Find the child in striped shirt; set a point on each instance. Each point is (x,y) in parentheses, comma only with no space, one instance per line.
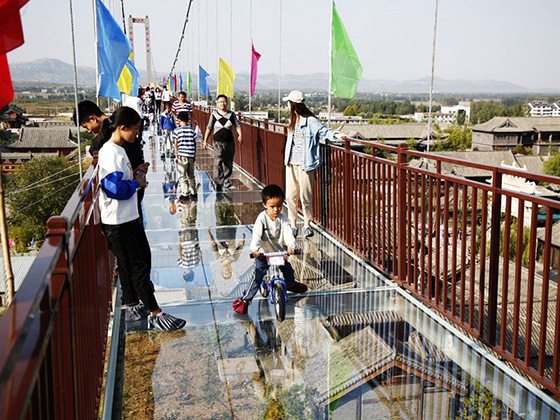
(185,150)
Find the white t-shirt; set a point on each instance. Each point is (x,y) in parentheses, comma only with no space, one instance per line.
(135,103)
(166,95)
(118,200)
(272,236)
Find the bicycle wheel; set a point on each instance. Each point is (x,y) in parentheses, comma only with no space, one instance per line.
(264,288)
(280,300)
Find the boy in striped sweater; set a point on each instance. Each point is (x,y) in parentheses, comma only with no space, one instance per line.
(185,150)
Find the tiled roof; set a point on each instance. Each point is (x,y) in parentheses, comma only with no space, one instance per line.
(43,138)
(386,131)
(519,124)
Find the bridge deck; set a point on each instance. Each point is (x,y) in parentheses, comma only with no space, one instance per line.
(355,345)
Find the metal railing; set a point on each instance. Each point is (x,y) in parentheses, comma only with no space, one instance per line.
(54,332)
(478,251)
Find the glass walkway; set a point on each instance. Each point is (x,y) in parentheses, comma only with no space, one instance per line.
(354,347)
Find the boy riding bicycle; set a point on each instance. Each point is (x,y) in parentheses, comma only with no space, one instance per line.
(271,232)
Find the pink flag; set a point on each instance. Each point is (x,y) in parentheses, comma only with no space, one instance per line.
(254,61)
(174,83)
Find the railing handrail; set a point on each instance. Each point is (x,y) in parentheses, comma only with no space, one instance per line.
(390,213)
(40,323)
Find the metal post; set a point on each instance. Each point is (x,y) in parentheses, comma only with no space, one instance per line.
(401,215)
(493,272)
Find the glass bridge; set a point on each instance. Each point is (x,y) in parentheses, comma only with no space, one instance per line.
(354,347)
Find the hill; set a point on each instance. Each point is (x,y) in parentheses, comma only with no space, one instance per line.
(56,71)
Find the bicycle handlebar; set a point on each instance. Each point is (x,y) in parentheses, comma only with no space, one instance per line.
(297,251)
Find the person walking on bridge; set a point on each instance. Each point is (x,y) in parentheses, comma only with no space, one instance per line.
(221,123)
(302,157)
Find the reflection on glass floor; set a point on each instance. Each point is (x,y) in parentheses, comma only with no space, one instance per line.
(354,347)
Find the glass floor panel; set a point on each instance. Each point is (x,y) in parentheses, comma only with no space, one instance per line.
(354,347)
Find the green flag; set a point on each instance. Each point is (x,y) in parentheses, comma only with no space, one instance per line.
(189,81)
(346,69)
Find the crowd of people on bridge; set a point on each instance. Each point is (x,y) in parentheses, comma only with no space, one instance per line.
(122,174)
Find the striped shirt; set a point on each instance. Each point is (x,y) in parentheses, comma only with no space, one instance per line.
(178,107)
(185,138)
(296,155)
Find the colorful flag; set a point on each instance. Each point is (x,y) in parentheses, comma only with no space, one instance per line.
(169,83)
(346,69)
(225,80)
(129,80)
(175,83)
(189,82)
(180,82)
(113,51)
(11,37)
(203,88)
(254,65)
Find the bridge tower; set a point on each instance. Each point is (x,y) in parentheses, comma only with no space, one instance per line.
(146,22)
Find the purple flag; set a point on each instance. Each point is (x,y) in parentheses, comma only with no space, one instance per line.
(254,62)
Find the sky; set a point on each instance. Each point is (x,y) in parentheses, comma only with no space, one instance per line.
(507,40)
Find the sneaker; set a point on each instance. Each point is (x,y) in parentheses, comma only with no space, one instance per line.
(295,231)
(298,288)
(240,306)
(165,322)
(135,313)
(308,232)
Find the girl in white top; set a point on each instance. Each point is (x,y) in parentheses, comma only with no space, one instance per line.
(121,223)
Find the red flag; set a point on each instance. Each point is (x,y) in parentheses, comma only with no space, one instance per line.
(11,32)
(254,61)
(6,89)
(174,83)
(11,36)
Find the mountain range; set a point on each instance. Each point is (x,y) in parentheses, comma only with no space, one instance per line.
(56,71)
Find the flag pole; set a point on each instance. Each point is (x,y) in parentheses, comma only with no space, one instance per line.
(251,38)
(330,65)
(280,63)
(96,52)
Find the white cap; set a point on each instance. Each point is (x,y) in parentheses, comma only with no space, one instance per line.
(294,96)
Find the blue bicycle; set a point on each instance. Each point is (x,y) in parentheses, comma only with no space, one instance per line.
(273,284)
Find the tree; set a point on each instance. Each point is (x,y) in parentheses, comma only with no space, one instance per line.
(38,190)
(552,166)
(351,110)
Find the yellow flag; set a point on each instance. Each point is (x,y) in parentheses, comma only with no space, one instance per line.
(225,80)
(129,77)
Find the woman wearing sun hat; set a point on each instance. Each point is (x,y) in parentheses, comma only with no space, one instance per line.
(302,158)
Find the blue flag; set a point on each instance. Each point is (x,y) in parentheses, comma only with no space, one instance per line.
(180,82)
(113,51)
(202,85)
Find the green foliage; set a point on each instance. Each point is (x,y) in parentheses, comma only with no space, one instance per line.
(351,110)
(30,208)
(519,149)
(21,236)
(478,403)
(552,166)
(412,144)
(459,139)
(513,238)
(482,111)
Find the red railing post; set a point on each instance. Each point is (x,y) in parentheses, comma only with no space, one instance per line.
(347,193)
(401,215)
(493,273)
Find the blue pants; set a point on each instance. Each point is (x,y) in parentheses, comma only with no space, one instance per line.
(261,267)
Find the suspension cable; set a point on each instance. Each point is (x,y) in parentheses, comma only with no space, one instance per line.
(76,90)
(432,79)
(41,185)
(42,180)
(181,40)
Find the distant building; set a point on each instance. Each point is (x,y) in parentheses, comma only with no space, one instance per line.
(340,118)
(392,134)
(505,133)
(541,108)
(259,115)
(12,116)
